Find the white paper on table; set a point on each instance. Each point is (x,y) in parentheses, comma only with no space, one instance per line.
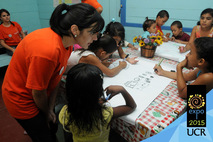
(170,50)
(141,82)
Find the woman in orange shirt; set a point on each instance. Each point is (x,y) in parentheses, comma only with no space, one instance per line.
(32,78)
(9,32)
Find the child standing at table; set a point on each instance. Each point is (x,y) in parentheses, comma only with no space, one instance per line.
(178,35)
(203,29)
(117,31)
(98,51)
(161,19)
(200,56)
(149,26)
(86,116)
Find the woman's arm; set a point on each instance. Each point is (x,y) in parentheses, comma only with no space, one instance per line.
(6,46)
(22,34)
(41,100)
(122,109)
(93,60)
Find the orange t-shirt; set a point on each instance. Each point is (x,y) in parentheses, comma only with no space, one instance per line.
(93,3)
(10,34)
(38,63)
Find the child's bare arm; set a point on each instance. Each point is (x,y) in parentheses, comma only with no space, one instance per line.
(123,109)
(123,55)
(180,41)
(191,40)
(160,71)
(173,75)
(96,62)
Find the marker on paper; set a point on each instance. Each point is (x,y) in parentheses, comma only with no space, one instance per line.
(159,63)
(108,97)
(126,57)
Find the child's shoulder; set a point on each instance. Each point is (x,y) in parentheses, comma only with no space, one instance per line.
(207,77)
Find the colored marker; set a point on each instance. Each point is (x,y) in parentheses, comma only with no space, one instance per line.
(126,57)
(108,97)
(159,63)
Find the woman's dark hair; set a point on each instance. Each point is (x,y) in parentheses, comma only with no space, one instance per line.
(84,88)
(4,10)
(148,23)
(205,11)
(162,14)
(106,42)
(115,29)
(83,15)
(178,23)
(204,46)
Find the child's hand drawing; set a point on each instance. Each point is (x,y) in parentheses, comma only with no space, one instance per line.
(123,64)
(113,90)
(158,69)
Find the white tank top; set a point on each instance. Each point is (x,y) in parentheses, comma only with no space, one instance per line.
(75,57)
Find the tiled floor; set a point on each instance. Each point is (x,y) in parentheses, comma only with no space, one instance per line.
(11,131)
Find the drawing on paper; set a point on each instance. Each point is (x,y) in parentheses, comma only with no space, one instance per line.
(116,63)
(141,81)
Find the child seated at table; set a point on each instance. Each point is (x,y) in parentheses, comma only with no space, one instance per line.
(203,29)
(98,51)
(149,26)
(200,56)
(117,31)
(178,35)
(86,115)
(161,19)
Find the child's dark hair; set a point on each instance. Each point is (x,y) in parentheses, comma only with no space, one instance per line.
(84,89)
(115,29)
(148,23)
(205,11)
(106,42)
(162,14)
(4,10)
(204,46)
(178,24)
(83,15)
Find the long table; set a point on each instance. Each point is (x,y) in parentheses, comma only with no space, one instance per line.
(161,112)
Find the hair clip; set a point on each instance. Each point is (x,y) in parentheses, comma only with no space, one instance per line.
(102,77)
(113,20)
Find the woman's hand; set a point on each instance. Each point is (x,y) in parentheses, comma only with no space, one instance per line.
(132,60)
(13,50)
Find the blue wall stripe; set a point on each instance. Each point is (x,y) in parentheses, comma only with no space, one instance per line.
(124,23)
